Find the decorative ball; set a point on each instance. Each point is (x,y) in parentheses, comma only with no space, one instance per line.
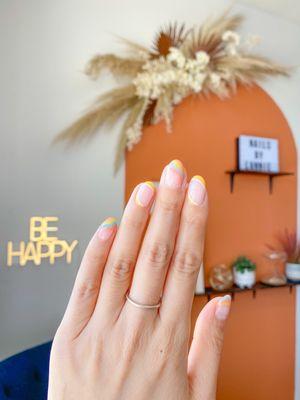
(220,277)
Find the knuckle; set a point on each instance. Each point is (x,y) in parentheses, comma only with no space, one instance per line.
(159,255)
(195,219)
(169,205)
(216,342)
(92,258)
(120,269)
(187,263)
(132,222)
(86,289)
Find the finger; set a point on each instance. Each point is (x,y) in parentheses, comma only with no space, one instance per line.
(86,288)
(187,259)
(206,348)
(158,245)
(121,261)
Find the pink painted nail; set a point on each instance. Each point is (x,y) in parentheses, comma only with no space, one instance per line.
(107,228)
(197,191)
(223,308)
(145,194)
(174,175)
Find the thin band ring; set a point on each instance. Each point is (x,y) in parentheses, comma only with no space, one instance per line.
(140,305)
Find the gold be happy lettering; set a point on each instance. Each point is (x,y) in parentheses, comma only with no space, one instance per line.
(42,245)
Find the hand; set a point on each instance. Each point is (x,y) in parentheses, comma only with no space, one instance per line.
(108,348)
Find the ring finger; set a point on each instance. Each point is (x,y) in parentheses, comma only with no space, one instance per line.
(119,267)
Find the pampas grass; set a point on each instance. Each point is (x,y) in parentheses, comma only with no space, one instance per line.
(247,69)
(132,117)
(106,110)
(117,65)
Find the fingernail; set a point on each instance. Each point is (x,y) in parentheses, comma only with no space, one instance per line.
(174,175)
(197,190)
(145,194)
(223,307)
(107,228)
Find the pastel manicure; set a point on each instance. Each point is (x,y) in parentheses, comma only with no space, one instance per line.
(174,175)
(107,228)
(145,194)
(197,190)
(223,307)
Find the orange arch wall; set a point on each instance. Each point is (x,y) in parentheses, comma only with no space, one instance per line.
(258,357)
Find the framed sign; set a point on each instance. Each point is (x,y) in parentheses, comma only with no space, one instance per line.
(257,154)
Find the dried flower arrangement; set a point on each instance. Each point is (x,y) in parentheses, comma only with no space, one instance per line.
(288,242)
(203,60)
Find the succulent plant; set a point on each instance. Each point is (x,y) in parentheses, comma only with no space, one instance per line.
(242,264)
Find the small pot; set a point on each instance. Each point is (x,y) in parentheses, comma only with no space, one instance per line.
(245,279)
(292,272)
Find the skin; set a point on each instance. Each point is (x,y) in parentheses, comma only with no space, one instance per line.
(107,348)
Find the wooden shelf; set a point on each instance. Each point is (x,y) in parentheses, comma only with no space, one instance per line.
(270,175)
(210,292)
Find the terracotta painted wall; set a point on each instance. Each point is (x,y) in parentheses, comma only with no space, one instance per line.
(258,358)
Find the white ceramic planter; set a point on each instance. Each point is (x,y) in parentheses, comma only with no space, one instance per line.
(292,272)
(244,279)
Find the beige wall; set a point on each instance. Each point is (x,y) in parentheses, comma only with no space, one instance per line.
(44,46)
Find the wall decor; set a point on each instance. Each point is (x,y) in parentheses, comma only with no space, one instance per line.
(289,244)
(275,276)
(244,272)
(42,245)
(258,154)
(210,59)
(220,277)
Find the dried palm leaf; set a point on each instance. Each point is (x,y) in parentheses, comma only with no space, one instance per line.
(172,35)
(148,117)
(117,65)
(106,110)
(208,37)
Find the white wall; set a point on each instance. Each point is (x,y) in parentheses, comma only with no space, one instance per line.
(44,46)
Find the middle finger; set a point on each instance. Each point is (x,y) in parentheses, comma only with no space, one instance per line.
(159,241)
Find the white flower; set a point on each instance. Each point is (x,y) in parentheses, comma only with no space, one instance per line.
(173,71)
(177,98)
(175,56)
(215,80)
(231,49)
(231,37)
(202,57)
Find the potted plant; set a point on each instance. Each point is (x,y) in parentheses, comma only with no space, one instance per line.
(291,247)
(244,272)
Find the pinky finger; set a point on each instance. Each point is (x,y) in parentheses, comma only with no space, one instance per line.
(87,284)
(206,347)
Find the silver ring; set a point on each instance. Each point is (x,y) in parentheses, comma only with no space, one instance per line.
(140,305)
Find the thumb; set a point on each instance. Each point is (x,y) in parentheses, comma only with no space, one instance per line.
(206,347)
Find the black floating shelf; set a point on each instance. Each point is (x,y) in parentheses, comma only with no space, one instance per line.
(270,175)
(210,292)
